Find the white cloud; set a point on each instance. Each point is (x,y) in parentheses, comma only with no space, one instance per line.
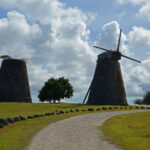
(139,37)
(55,41)
(109,36)
(144,10)
(135,2)
(52,37)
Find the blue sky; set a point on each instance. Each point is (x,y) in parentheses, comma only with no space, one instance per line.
(56,37)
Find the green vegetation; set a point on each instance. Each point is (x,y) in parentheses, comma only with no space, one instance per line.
(17,136)
(130,132)
(145,100)
(56,89)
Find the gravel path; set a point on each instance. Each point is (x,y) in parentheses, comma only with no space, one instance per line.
(75,133)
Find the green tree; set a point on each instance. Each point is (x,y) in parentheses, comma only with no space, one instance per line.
(146,99)
(138,101)
(56,89)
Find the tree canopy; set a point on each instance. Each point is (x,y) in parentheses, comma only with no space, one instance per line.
(56,89)
(145,100)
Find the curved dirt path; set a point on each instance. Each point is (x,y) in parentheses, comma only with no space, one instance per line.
(75,133)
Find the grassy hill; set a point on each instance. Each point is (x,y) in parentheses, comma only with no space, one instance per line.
(17,136)
(130,131)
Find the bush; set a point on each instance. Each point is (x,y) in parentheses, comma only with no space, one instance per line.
(66,111)
(83,110)
(90,109)
(16,119)
(30,117)
(35,116)
(138,101)
(3,121)
(1,125)
(104,108)
(52,113)
(77,110)
(115,107)
(10,120)
(98,109)
(61,112)
(47,114)
(146,99)
(22,118)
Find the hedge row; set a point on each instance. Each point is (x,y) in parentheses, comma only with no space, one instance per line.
(6,121)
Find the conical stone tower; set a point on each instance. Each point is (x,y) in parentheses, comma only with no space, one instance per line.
(14,84)
(107,87)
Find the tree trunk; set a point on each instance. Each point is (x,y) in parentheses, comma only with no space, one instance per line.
(54,101)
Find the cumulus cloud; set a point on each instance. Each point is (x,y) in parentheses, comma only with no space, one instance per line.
(109,36)
(135,75)
(52,37)
(139,37)
(144,10)
(135,2)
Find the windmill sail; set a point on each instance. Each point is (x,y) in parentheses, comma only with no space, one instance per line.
(107,87)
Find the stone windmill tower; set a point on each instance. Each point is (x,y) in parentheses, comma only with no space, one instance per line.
(107,86)
(14,85)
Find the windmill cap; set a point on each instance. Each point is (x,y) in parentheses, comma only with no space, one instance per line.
(10,63)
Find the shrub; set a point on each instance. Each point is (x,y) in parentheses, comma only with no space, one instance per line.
(35,116)
(22,118)
(47,114)
(138,101)
(16,119)
(90,109)
(66,111)
(30,117)
(115,107)
(104,108)
(83,110)
(61,112)
(52,113)
(1,125)
(77,110)
(3,121)
(10,120)
(146,99)
(98,109)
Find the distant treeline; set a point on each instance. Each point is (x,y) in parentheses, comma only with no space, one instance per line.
(144,101)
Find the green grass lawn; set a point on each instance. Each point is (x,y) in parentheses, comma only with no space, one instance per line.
(130,132)
(17,136)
